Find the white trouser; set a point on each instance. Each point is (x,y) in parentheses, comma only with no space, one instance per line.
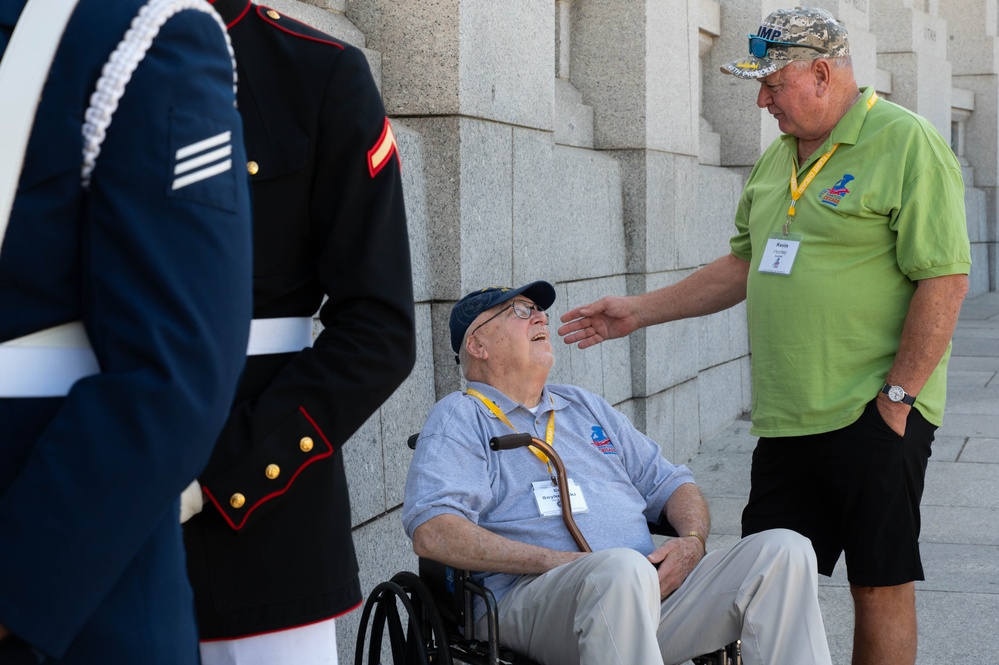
(604,608)
(314,644)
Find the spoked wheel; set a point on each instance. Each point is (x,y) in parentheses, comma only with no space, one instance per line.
(727,655)
(421,641)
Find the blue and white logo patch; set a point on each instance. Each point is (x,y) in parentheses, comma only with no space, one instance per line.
(602,441)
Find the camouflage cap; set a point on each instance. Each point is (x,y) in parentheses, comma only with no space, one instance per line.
(802,33)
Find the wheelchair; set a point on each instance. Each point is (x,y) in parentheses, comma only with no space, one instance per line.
(438,626)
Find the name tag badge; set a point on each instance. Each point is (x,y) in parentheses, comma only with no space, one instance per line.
(778,255)
(546,494)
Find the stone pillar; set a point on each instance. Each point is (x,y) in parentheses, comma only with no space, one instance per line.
(974,54)
(708,30)
(485,60)
(634,64)
(854,15)
(476,81)
(638,66)
(912,45)
(722,362)
(573,118)
(728,103)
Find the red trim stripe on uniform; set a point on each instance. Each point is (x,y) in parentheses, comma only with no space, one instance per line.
(262,13)
(279,630)
(315,458)
(242,14)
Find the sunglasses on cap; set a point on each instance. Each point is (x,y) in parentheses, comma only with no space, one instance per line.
(758,46)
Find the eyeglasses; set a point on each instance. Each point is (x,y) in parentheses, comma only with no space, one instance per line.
(758,46)
(522,309)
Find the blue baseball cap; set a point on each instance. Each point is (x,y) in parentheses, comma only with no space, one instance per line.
(468,308)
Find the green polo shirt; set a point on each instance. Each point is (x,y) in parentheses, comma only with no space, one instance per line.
(885,211)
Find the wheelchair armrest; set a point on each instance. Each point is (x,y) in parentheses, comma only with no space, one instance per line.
(452,590)
(447,586)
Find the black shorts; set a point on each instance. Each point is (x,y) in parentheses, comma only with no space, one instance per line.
(855,490)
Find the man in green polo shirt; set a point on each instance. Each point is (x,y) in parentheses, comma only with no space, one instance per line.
(852,254)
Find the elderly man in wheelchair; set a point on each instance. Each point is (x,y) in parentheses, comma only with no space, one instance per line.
(598,592)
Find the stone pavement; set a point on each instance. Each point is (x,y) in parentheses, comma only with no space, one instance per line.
(958,604)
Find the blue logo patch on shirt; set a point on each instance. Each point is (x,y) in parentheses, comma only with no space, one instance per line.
(602,441)
(835,194)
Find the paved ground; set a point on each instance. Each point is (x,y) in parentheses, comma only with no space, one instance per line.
(958,604)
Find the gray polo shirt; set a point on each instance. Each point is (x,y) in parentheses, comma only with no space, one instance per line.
(622,474)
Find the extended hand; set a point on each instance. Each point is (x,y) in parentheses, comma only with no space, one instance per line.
(608,318)
(675,559)
(3,632)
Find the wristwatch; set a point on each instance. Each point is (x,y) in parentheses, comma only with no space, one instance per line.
(898,394)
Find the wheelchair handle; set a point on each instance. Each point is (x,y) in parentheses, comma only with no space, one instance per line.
(510,441)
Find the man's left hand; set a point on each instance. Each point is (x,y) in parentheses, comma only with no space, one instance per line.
(893,413)
(675,559)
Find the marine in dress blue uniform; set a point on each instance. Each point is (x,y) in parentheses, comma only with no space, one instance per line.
(272,548)
(155,260)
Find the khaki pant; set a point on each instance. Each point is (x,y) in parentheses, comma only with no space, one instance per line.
(604,609)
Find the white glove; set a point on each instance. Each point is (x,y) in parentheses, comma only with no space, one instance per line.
(191,501)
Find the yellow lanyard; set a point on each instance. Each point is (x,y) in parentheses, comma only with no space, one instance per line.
(549,432)
(797,191)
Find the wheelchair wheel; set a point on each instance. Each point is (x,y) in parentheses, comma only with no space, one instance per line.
(727,655)
(421,641)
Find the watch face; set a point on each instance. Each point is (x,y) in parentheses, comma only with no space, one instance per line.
(896,394)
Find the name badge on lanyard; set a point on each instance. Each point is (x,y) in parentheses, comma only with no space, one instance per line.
(549,500)
(782,247)
(779,254)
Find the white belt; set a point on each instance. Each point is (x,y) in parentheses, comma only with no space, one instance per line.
(49,362)
(285,335)
(46,363)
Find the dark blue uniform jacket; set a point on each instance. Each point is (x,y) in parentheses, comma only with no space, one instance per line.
(158,269)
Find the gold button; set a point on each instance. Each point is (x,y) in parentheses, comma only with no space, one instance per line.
(252,167)
(237,500)
(272,471)
(273,14)
(305,444)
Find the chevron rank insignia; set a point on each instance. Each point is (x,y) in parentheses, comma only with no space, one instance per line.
(385,147)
